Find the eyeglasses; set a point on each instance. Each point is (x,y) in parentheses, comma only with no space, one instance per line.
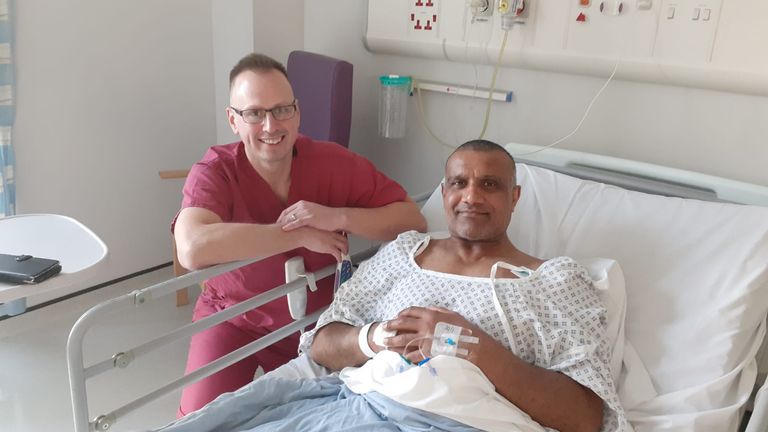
(256,116)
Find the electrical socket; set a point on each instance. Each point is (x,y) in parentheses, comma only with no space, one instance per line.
(481,8)
(424,19)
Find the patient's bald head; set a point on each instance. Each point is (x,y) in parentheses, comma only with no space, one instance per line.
(486,146)
(482,145)
(480,191)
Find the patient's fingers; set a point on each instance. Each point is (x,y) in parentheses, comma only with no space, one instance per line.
(405,324)
(399,341)
(416,356)
(407,343)
(413,311)
(423,312)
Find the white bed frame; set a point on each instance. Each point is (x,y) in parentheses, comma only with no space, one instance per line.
(630,175)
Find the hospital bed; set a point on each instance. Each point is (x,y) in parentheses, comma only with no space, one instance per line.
(686,308)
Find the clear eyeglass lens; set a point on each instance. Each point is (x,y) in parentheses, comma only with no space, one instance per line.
(253,116)
(279,113)
(283,112)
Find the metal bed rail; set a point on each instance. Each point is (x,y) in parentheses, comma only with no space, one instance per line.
(79,373)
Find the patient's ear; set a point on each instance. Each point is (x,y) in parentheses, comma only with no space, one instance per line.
(515,196)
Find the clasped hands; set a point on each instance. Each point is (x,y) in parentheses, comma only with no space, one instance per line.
(415,328)
(321,225)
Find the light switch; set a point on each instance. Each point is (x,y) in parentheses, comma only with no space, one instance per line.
(706,14)
(644,4)
(611,7)
(696,14)
(671,12)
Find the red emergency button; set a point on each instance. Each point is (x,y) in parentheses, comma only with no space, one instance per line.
(581,17)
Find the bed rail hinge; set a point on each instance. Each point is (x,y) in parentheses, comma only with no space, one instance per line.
(139,297)
(122,359)
(103,422)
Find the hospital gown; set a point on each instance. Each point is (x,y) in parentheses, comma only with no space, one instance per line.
(555,317)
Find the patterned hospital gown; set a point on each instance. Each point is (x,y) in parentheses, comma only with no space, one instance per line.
(556,318)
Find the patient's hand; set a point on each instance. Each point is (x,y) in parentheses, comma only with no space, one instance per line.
(415,327)
(306,213)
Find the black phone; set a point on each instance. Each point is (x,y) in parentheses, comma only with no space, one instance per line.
(27,269)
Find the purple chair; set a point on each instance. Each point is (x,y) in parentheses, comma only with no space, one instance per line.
(323,86)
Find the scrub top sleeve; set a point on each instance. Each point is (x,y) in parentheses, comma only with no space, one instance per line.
(207,187)
(370,188)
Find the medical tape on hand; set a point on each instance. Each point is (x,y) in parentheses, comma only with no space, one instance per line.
(379,334)
(447,337)
(362,341)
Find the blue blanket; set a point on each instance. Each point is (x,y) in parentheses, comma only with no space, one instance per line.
(324,404)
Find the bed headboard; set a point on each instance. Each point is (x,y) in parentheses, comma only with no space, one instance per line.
(642,176)
(635,182)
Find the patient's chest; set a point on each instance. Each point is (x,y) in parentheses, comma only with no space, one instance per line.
(541,323)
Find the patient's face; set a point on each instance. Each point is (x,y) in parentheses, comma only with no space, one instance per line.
(479,194)
(271,140)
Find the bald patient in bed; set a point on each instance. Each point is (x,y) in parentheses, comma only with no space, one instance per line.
(539,325)
(457,334)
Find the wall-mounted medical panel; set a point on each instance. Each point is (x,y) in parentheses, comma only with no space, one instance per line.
(716,44)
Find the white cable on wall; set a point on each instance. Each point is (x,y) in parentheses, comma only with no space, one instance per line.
(583,117)
(423,118)
(420,104)
(493,84)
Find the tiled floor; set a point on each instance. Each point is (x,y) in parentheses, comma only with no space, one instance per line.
(34,385)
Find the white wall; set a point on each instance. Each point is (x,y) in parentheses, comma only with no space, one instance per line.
(109,93)
(713,132)
(271,27)
(232,35)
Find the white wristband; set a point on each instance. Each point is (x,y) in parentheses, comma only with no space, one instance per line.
(362,341)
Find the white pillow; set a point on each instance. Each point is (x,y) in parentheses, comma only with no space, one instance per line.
(696,271)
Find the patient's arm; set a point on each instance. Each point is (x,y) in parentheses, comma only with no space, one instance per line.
(381,223)
(335,346)
(202,239)
(551,398)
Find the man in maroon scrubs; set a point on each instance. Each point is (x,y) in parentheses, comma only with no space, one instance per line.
(278,194)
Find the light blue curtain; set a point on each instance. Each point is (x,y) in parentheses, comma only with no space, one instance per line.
(7,111)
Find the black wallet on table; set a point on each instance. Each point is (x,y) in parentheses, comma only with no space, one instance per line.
(26,269)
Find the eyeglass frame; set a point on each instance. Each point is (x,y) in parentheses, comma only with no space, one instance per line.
(267,111)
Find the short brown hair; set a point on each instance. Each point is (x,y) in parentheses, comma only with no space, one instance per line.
(257,63)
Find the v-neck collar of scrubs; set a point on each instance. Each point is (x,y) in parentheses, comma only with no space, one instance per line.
(295,176)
